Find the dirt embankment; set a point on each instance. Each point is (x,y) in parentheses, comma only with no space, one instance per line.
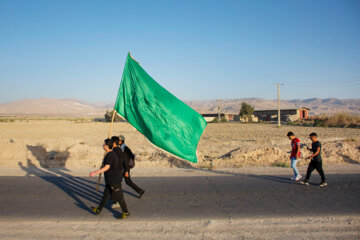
(63,143)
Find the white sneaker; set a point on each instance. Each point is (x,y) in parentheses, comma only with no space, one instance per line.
(115,205)
(293,178)
(323,184)
(298,178)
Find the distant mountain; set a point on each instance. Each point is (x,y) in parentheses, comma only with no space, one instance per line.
(76,107)
(317,105)
(52,107)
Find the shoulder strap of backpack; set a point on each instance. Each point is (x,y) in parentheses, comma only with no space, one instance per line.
(129,152)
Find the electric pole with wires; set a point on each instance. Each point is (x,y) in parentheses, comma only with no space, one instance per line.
(218,107)
(278,101)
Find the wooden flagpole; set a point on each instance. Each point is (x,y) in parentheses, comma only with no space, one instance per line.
(109,135)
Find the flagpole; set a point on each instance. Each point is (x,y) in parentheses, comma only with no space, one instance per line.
(112,121)
(109,135)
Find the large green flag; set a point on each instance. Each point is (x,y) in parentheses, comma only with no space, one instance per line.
(164,119)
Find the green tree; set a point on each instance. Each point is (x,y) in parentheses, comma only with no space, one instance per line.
(246,110)
(108,116)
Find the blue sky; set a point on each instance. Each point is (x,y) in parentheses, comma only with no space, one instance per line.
(196,49)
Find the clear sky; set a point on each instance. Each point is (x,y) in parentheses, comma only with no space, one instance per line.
(196,49)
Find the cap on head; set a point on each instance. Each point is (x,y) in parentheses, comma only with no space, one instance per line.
(122,138)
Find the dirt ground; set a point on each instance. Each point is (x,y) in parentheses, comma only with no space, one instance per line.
(339,228)
(228,148)
(52,143)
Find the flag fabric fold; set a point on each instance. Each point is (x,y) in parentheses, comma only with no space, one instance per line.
(161,117)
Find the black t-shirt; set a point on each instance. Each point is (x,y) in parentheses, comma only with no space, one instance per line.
(113,176)
(315,146)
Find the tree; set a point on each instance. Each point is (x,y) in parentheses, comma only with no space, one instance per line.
(108,117)
(246,110)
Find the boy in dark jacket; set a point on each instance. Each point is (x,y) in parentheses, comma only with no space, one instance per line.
(126,155)
(129,156)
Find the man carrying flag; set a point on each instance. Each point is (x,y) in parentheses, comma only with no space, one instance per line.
(123,152)
(162,118)
(112,169)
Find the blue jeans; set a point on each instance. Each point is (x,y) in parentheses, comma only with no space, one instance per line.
(293,166)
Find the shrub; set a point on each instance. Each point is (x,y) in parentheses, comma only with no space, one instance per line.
(337,120)
(223,119)
(216,120)
(108,117)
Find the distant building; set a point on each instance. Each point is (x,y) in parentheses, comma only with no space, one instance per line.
(209,117)
(286,114)
(247,119)
(232,117)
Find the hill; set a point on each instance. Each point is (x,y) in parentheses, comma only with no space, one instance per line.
(52,107)
(317,106)
(76,107)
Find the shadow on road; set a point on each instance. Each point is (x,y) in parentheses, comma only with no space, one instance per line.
(79,189)
(277,179)
(76,187)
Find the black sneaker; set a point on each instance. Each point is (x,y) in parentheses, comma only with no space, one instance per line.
(323,184)
(141,193)
(123,215)
(95,210)
(305,182)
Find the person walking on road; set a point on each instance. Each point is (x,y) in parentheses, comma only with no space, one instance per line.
(315,161)
(129,162)
(124,153)
(295,155)
(112,169)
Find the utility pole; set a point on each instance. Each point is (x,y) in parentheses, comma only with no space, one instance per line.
(218,107)
(278,101)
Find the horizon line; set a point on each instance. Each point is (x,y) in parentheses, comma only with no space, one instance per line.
(195,100)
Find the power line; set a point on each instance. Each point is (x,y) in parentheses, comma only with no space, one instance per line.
(319,84)
(255,93)
(337,80)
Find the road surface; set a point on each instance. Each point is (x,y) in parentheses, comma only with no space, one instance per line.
(56,196)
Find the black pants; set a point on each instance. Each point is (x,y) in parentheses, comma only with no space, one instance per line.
(131,184)
(315,165)
(116,193)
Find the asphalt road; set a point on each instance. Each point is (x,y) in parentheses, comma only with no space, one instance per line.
(48,196)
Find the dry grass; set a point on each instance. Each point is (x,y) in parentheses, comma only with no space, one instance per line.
(337,120)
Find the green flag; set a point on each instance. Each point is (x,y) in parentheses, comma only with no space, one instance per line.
(164,119)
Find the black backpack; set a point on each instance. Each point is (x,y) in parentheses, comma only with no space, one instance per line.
(131,157)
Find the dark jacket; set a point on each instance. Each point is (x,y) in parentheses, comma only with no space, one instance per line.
(127,156)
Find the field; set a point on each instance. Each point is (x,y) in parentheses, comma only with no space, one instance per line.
(53,143)
(247,194)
